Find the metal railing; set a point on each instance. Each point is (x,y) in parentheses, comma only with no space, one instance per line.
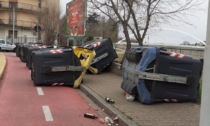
(23,39)
(19,6)
(18,23)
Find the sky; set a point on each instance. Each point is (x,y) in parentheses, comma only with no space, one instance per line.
(63,6)
(175,33)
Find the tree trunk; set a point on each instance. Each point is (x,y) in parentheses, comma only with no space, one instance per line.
(127,37)
(128,40)
(140,41)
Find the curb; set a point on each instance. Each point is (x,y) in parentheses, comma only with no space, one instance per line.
(2,64)
(108,109)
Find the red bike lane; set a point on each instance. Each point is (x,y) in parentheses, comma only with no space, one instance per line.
(23,104)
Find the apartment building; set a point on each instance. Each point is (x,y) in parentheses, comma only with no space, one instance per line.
(25,14)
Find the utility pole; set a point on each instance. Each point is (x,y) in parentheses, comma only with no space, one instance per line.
(37,32)
(205,100)
(39,21)
(13,29)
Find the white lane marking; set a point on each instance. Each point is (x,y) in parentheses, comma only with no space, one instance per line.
(47,113)
(40,91)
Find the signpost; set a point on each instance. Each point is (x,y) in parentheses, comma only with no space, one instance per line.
(37,28)
(76,18)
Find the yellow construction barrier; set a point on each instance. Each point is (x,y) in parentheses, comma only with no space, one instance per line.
(86,56)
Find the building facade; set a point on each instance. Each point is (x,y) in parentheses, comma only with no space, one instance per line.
(25,15)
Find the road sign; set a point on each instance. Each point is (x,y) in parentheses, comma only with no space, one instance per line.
(37,28)
(76,13)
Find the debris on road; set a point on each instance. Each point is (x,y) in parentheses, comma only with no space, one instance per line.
(91,116)
(109,121)
(102,120)
(109,100)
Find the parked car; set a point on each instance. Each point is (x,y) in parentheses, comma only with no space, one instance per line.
(6,45)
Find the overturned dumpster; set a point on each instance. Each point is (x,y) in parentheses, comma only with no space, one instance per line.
(64,66)
(155,75)
(23,50)
(29,51)
(105,55)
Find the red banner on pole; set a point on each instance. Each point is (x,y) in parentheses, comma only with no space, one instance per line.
(76,12)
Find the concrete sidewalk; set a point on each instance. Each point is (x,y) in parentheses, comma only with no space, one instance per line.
(163,114)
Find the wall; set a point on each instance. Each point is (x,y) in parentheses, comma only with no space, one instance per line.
(46,3)
(2,33)
(29,16)
(4,15)
(29,4)
(26,20)
(33,2)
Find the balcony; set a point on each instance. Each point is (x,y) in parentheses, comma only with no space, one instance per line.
(6,5)
(18,23)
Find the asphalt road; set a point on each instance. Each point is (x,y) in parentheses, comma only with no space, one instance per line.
(23,104)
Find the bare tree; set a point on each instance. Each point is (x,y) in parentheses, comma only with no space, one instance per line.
(109,30)
(49,17)
(137,15)
(63,31)
(98,26)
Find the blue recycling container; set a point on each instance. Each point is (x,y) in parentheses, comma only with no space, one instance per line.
(155,60)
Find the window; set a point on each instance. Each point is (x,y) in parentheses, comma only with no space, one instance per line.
(9,43)
(1,42)
(10,34)
(11,18)
(40,4)
(13,4)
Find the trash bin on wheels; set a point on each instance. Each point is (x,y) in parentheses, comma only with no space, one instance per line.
(65,66)
(155,75)
(18,46)
(29,51)
(105,55)
(23,50)
(22,53)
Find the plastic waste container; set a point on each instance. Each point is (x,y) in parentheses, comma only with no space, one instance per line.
(29,51)
(23,50)
(65,66)
(18,46)
(105,55)
(155,75)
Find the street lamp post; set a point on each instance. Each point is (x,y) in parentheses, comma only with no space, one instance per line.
(13,29)
(205,100)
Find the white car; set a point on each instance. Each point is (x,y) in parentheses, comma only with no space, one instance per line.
(6,45)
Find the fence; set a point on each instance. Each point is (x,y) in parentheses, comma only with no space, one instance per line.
(23,39)
(194,51)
